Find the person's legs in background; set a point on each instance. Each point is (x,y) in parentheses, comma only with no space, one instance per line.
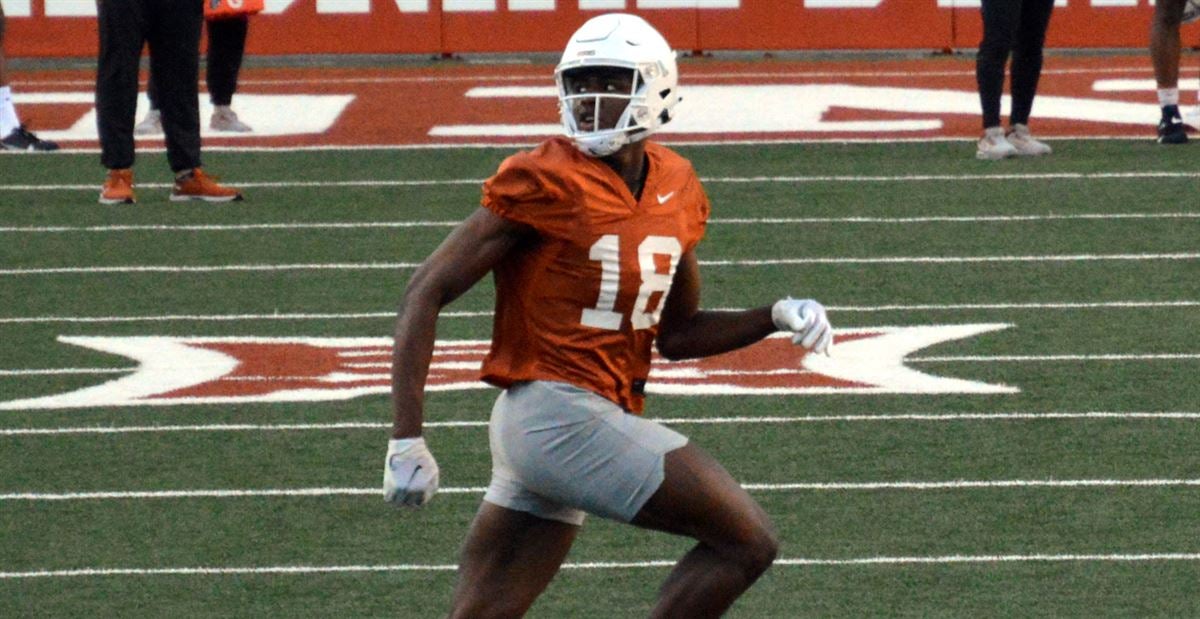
(122,27)
(1164,54)
(174,38)
(1000,19)
(1026,71)
(152,123)
(226,47)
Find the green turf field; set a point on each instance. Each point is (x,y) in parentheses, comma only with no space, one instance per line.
(1091,255)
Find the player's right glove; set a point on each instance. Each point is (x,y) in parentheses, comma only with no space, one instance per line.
(410,474)
(806,319)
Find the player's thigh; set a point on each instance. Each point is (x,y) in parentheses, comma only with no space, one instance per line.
(565,445)
(700,499)
(511,554)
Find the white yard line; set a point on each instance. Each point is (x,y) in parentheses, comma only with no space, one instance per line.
(387,266)
(788,487)
(366,225)
(1028,358)
(606,565)
(850,178)
(65,371)
(509,145)
(488,314)
(375,425)
(950,259)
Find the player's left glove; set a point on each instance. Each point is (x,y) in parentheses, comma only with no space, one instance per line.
(410,474)
(806,319)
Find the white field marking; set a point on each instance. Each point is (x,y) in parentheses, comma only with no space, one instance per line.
(223,317)
(1033,306)
(1147,84)
(508,145)
(600,565)
(1023,358)
(949,259)
(269,114)
(691,76)
(330,225)
(846,178)
(373,425)
(378,266)
(357,225)
(807,105)
(951,177)
(488,314)
(58,371)
(959,484)
(220,268)
(272,184)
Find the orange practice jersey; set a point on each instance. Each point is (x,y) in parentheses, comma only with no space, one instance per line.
(581,304)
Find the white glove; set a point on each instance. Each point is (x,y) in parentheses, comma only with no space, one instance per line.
(806,318)
(410,474)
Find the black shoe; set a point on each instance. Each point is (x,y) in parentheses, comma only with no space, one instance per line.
(1171,129)
(20,139)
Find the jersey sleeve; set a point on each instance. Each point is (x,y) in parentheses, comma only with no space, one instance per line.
(522,190)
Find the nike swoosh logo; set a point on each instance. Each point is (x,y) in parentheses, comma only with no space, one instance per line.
(1176,121)
(662,199)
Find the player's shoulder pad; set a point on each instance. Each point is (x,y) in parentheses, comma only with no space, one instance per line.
(531,176)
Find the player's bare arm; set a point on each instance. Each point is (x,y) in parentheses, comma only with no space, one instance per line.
(687,332)
(410,474)
(467,254)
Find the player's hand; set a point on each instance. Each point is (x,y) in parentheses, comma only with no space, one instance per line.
(410,474)
(806,319)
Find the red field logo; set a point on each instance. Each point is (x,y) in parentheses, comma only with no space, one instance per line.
(195,370)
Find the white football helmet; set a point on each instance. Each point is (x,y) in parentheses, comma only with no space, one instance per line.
(627,42)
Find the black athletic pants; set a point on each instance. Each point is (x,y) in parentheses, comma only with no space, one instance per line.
(172,30)
(226,46)
(1019,27)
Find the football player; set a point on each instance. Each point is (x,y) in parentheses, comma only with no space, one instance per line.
(1164,53)
(591,239)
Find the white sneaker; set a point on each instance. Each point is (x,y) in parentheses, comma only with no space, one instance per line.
(150,125)
(1192,118)
(225,119)
(1023,141)
(994,146)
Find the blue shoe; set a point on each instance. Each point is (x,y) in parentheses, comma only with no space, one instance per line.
(20,139)
(1171,129)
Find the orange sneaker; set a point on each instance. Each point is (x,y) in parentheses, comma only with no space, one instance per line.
(196,185)
(118,187)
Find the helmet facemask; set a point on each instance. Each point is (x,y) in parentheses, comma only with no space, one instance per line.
(599,106)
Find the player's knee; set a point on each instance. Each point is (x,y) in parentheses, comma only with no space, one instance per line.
(757,548)
(766,549)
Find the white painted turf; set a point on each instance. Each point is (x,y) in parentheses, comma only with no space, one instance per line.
(412,567)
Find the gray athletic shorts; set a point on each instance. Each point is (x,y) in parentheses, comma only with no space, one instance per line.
(559,451)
